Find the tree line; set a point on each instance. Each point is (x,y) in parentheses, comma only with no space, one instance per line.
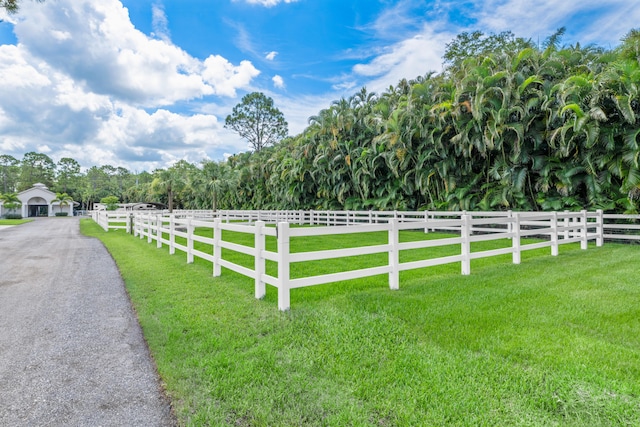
(508,124)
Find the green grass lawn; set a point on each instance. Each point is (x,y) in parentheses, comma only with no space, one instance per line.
(553,341)
(14,221)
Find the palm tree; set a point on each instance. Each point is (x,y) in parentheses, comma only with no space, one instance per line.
(10,201)
(63,199)
(172,181)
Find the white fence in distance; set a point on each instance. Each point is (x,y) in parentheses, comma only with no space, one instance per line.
(558,228)
(618,227)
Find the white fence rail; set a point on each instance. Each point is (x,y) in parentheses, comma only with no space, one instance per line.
(556,229)
(617,227)
(110,220)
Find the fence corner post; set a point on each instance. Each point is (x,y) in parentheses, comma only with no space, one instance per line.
(217,250)
(259,261)
(465,234)
(394,254)
(599,228)
(284,297)
(514,225)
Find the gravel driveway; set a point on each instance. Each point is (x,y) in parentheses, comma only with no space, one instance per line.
(71,349)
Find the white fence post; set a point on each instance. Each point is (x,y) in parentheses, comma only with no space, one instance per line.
(465,233)
(158,231)
(284,298)
(172,233)
(217,250)
(259,261)
(426,220)
(394,254)
(149,229)
(584,242)
(599,228)
(554,233)
(567,233)
(134,225)
(141,225)
(514,230)
(190,231)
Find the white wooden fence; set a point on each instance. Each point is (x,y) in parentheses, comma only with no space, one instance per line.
(557,228)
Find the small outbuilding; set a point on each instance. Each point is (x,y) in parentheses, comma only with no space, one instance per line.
(38,201)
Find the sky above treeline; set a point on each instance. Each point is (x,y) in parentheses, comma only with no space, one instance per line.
(144,83)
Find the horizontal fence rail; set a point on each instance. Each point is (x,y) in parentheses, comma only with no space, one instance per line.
(553,228)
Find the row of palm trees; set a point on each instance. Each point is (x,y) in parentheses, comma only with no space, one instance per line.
(527,128)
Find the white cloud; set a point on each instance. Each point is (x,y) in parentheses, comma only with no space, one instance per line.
(271,56)
(113,58)
(345,85)
(406,59)
(225,77)
(298,110)
(605,23)
(278,81)
(268,3)
(160,23)
(44,110)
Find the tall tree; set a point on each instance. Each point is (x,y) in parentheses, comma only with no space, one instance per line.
(468,45)
(257,120)
(172,181)
(68,172)
(9,172)
(36,168)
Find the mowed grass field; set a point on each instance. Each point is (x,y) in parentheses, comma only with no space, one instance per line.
(552,341)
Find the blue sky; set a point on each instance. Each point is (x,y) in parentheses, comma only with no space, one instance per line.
(145,83)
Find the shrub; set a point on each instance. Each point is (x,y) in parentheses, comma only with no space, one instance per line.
(111,202)
(62,213)
(13,216)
